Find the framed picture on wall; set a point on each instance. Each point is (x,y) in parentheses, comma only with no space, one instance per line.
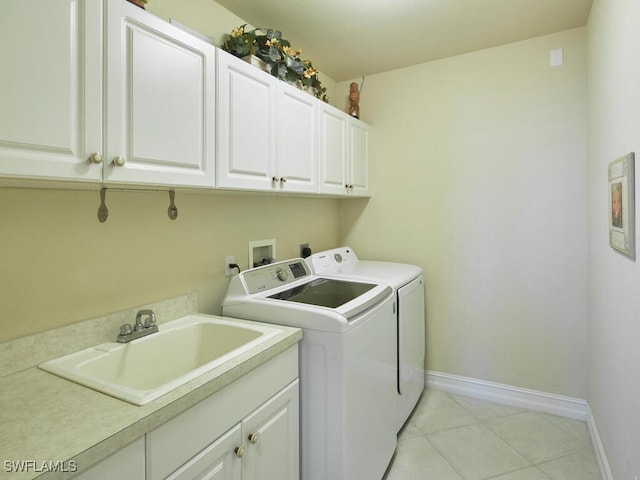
(622,205)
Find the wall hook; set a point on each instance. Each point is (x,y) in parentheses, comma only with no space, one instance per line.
(103,211)
(172,211)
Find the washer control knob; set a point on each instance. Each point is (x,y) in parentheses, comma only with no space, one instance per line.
(281,274)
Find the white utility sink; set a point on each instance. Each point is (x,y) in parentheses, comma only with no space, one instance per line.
(144,369)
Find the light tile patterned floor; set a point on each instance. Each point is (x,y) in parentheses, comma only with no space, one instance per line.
(450,437)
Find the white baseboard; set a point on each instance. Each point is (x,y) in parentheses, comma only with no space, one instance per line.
(563,406)
(603,463)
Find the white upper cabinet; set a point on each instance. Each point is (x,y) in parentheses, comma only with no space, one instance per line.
(51,89)
(103,92)
(246,156)
(160,92)
(266,131)
(296,166)
(157,95)
(344,151)
(359,158)
(332,150)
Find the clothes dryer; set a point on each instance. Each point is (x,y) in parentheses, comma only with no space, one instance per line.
(407,283)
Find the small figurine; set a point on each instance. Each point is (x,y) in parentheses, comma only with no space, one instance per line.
(139,3)
(354,100)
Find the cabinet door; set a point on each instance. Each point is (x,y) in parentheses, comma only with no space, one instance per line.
(50,89)
(332,150)
(296,147)
(125,464)
(160,101)
(271,433)
(246,154)
(218,461)
(359,146)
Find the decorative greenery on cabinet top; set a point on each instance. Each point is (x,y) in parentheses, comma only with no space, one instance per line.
(282,60)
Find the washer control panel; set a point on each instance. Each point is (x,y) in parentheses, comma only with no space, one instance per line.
(274,275)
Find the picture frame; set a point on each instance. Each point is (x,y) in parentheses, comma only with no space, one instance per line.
(621,195)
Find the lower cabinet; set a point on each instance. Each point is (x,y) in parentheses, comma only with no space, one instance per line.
(246,431)
(263,446)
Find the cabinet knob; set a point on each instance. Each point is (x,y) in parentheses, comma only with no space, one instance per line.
(95,157)
(283,180)
(239,451)
(253,438)
(119,161)
(275,179)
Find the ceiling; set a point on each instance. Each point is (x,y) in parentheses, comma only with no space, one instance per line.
(347,39)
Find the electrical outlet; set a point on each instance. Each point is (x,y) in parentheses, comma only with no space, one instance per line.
(228,260)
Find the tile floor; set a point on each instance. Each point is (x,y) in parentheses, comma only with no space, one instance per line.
(450,437)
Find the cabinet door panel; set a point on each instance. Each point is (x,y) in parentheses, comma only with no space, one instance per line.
(125,464)
(160,100)
(332,147)
(359,143)
(216,462)
(274,456)
(50,89)
(296,149)
(246,125)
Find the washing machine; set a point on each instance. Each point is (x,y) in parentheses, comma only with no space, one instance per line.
(407,283)
(347,364)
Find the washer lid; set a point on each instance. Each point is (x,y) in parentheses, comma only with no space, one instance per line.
(324,292)
(346,298)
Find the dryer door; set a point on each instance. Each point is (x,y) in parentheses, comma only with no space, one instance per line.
(411,347)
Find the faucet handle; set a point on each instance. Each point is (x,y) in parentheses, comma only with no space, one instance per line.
(150,321)
(126,329)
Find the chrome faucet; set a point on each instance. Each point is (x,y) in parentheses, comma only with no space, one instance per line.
(139,329)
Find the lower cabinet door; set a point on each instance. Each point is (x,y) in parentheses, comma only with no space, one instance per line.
(219,461)
(125,464)
(271,436)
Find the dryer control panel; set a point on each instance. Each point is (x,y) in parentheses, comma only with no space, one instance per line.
(274,275)
(331,261)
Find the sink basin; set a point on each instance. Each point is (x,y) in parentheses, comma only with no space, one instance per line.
(144,369)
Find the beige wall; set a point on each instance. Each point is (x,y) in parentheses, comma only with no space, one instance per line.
(60,265)
(480,178)
(614,298)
